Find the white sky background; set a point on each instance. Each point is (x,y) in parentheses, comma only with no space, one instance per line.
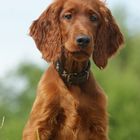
(15,18)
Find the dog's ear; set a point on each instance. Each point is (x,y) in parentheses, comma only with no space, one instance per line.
(46,32)
(109,38)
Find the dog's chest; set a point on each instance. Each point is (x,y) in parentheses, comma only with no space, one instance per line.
(76,125)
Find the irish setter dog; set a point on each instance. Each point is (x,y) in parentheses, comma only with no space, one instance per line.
(70,105)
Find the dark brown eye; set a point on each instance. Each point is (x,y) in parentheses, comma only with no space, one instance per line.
(94,17)
(68,16)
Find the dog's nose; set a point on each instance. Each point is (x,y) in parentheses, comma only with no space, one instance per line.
(82,41)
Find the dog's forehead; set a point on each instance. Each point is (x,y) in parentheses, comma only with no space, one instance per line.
(90,4)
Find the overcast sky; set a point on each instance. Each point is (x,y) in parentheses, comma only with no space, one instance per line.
(15,18)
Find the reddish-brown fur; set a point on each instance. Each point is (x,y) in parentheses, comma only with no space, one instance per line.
(72,112)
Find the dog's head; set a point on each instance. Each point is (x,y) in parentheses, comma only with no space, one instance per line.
(83,27)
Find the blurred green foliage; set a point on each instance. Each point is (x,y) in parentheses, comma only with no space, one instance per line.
(120,80)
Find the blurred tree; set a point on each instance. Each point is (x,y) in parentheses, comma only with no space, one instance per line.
(16,108)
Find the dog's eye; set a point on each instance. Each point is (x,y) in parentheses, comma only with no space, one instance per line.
(94,17)
(68,16)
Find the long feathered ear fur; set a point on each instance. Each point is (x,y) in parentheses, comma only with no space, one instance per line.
(109,38)
(46,32)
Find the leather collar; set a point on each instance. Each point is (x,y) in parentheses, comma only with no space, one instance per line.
(72,78)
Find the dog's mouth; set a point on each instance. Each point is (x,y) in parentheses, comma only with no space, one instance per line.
(80,53)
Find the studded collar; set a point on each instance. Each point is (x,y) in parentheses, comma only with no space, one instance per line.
(72,78)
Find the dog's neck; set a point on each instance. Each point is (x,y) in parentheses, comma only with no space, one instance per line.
(71,71)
